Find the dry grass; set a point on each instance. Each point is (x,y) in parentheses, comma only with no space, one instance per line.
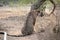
(13,11)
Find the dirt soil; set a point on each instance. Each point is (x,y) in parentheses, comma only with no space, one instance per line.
(12,20)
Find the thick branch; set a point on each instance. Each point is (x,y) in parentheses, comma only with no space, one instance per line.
(37,4)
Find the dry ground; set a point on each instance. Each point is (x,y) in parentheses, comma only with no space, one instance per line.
(12,19)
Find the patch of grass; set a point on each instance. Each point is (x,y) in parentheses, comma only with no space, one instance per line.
(21,2)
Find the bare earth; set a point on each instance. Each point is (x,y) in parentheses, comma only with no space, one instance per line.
(12,20)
